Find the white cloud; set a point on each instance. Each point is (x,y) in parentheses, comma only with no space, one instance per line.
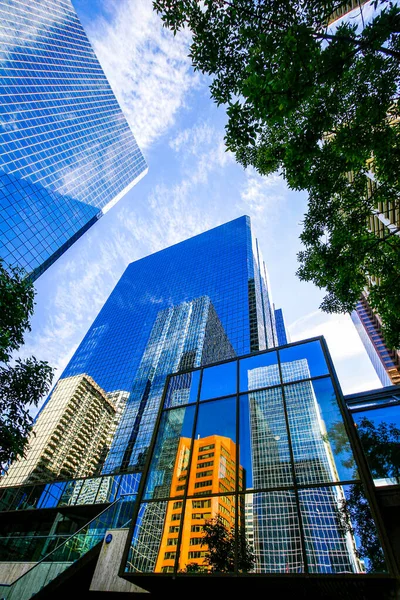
(147,67)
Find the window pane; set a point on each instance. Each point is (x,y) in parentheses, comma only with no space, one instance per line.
(303,361)
(51,495)
(182,389)
(219,381)
(259,371)
(272,525)
(334,520)
(208,529)
(214,451)
(168,469)
(379,433)
(146,551)
(320,444)
(264,447)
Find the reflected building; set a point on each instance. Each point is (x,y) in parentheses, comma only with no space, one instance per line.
(211,471)
(329,548)
(182,337)
(67,153)
(69,437)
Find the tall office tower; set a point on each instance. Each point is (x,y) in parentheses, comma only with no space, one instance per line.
(67,153)
(70,435)
(202,300)
(385,361)
(281,332)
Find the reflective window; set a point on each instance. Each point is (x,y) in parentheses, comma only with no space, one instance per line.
(219,381)
(215,441)
(259,371)
(264,446)
(303,361)
(146,554)
(169,466)
(335,520)
(379,433)
(208,535)
(272,528)
(182,389)
(320,444)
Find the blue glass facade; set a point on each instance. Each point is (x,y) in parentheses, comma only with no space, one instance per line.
(282,336)
(202,300)
(376,414)
(67,153)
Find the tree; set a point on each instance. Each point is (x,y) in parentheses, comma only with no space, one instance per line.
(314,105)
(23,382)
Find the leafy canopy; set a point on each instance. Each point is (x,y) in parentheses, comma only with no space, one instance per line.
(23,382)
(315,105)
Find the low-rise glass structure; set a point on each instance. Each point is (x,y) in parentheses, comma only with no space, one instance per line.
(255,469)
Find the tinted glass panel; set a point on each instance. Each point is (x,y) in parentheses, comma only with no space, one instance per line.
(146,552)
(320,444)
(259,371)
(264,447)
(379,433)
(214,453)
(219,381)
(303,361)
(169,465)
(182,389)
(273,529)
(204,518)
(335,519)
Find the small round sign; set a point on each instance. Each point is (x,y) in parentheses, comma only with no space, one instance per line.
(108,538)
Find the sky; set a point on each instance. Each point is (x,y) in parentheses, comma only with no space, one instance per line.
(192,185)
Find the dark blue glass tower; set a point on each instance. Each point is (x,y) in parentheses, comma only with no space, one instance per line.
(200,301)
(281,332)
(67,153)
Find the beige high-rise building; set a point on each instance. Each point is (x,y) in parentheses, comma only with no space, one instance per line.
(70,435)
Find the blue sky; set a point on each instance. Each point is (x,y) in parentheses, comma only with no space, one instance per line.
(192,185)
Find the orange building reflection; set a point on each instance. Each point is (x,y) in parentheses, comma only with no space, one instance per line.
(213,471)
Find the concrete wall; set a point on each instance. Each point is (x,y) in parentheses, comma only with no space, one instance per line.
(32,582)
(105,577)
(10,571)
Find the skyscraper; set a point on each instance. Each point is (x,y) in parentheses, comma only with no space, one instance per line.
(67,153)
(202,300)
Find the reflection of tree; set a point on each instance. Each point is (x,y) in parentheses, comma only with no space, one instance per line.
(220,557)
(355,510)
(382,449)
(221,548)
(381,445)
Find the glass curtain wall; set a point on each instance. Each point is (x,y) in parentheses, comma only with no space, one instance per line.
(252,470)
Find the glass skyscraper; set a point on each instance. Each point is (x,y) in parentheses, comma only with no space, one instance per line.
(202,300)
(67,153)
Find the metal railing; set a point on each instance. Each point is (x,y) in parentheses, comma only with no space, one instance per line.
(117,515)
